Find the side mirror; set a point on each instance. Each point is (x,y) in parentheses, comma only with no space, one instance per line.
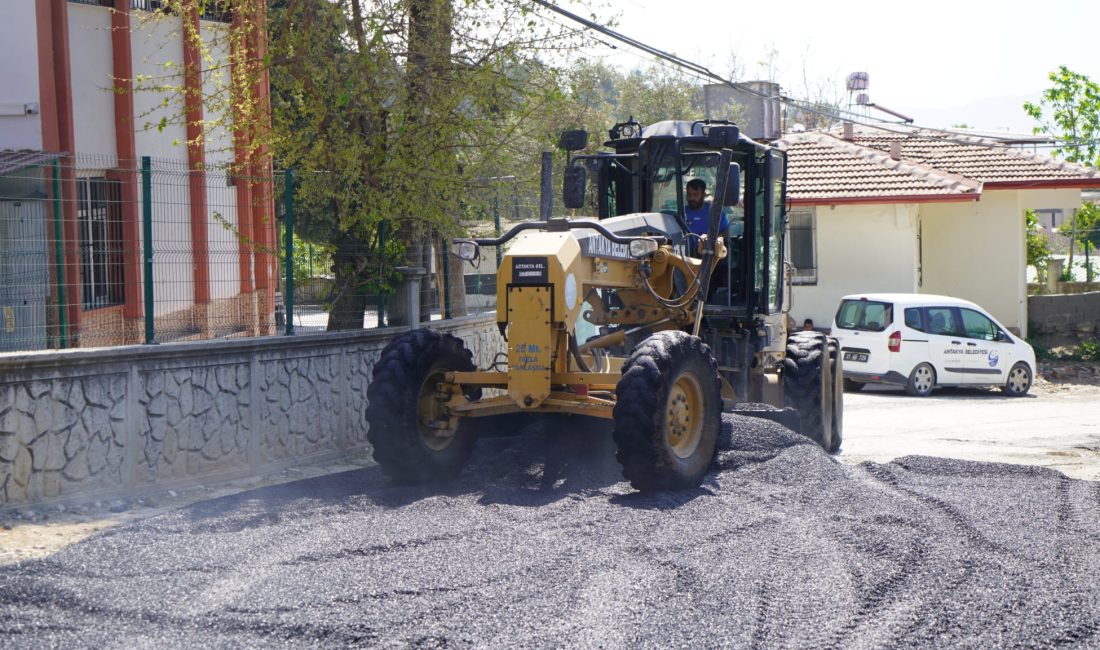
(733,186)
(465,250)
(723,136)
(573,140)
(573,187)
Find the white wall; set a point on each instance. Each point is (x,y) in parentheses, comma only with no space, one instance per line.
(860,249)
(19,51)
(976,251)
(155,43)
(1067,200)
(221,198)
(92,75)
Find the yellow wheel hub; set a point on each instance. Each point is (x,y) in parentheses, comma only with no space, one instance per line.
(684,415)
(437,425)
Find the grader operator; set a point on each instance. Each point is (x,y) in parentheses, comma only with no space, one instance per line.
(629,316)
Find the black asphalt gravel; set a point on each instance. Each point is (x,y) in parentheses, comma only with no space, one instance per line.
(541,544)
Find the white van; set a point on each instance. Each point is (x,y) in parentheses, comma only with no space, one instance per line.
(922,341)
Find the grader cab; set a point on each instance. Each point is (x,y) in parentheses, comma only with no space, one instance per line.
(632,315)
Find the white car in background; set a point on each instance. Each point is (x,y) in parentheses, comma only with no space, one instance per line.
(921,341)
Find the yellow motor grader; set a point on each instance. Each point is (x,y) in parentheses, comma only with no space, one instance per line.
(629,316)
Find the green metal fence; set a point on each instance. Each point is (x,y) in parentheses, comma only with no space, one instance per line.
(100,252)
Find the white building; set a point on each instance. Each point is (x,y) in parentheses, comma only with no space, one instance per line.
(72,87)
(917,212)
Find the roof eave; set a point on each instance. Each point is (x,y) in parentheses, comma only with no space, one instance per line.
(903,198)
(1044,184)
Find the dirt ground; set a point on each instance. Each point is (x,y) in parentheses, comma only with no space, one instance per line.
(38,532)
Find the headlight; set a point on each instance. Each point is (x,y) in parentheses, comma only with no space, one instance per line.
(642,247)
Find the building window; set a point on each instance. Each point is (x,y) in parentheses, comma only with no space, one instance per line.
(99,216)
(803,246)
(1050,218)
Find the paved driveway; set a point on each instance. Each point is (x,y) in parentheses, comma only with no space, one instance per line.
(1051,427)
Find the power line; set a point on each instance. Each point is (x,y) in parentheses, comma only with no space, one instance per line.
(701,71)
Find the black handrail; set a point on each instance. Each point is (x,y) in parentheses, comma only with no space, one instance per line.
(556,225)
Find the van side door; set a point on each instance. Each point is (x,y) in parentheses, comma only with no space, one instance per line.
(945,344)
(988,352)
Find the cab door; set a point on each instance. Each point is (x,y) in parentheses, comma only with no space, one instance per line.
(988,351)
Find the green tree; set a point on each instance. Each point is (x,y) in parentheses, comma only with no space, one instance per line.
(1038,248)
(1070,111)
(1084,229)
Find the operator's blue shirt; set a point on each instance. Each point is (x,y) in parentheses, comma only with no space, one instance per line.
(697,219)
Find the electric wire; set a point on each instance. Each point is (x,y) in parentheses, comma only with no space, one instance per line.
(702,72)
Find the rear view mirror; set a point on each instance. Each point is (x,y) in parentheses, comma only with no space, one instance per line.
(723,137)
(733,186)
(465,250)
(573,187)
(573,140)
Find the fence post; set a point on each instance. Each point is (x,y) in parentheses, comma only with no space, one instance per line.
(496,219)
(381,272)
(546,193)
(288,236)
(147,238)
(446,264)
(59,256)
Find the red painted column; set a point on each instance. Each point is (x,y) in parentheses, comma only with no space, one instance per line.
(122,68)
(196,155)
(242,170)
(56,106)
(263,201)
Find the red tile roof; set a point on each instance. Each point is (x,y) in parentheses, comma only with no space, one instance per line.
(932,166)
(979,158)
(825,169)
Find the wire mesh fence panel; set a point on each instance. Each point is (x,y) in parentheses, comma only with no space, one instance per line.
(95,251)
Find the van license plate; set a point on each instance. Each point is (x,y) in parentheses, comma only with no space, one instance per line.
(856,356)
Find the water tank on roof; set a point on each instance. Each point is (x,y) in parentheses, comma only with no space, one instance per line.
(754,105)
(859,81)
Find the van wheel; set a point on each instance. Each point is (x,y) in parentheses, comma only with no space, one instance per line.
(851,386)
(921,380)
(1019,381)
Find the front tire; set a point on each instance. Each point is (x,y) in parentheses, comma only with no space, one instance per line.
(1019,381)
(414,440)
(921,380)
(668,413)
(808,386)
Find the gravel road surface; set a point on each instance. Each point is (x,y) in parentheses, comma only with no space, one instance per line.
(540,544)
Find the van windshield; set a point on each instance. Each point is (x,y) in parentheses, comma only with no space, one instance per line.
(865,315)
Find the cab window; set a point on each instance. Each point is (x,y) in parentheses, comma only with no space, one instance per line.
(942,320)
(865,315)
(978,325)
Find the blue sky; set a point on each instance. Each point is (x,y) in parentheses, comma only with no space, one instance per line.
(939,62)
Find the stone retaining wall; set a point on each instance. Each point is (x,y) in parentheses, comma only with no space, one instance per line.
(1068,318)
(81,424)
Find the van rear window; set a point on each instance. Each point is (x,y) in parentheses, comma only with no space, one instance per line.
(865,315)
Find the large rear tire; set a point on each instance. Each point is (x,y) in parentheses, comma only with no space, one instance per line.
(808,386)
(837,370)
(413,440)
(669,412)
